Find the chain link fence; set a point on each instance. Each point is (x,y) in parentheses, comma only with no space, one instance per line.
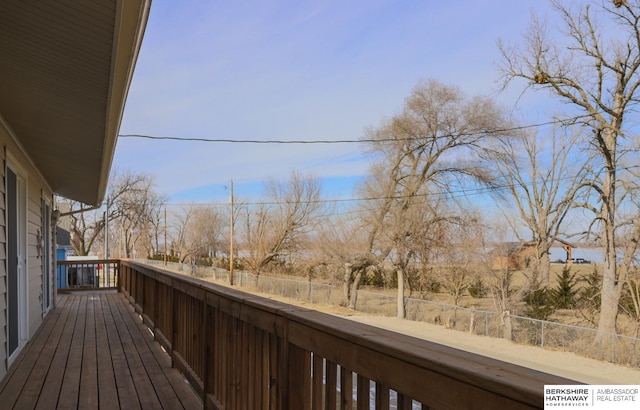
(613,347)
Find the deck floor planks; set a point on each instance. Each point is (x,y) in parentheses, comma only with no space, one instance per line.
(107,392)
(21,376)
(89,375)
(51,389)
(162,386)
(71,381)
(125,387)
(93,352)
(144,389)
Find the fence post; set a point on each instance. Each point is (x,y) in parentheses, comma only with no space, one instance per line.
(486,324)
(613,348)
(472,322)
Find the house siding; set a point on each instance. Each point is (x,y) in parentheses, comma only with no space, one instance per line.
(3,263)
(36,189)
(34,258)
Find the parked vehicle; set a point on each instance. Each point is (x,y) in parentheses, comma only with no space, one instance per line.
(580,261)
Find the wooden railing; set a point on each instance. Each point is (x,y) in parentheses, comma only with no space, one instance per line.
(241,351)
(88,274)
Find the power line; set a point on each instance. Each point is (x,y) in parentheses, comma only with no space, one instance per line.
(349,141)
(458,193)
(238,141)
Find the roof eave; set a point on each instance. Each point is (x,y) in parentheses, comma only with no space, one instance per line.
(128,36)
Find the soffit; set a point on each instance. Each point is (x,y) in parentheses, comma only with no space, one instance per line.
(65,68)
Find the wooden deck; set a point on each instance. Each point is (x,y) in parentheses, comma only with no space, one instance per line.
(93,352)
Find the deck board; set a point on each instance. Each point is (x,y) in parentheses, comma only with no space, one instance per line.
(89,373)
(59,342)
(93,352)
(28,373)
(108,392)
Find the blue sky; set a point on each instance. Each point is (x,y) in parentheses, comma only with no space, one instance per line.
(297,70)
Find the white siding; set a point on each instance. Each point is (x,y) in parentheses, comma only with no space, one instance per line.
(36,190)
(3,264)
(34,258)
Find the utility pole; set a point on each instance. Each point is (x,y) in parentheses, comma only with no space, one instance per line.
(231,233)
(106,231)
(165,236)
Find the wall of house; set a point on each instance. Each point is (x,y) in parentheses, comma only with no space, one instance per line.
(3,263)
(36,189)
(34,256)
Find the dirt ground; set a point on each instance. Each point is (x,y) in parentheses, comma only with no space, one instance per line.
(565,364)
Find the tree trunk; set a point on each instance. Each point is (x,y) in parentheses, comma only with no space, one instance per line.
(354,293)
(544,265)
(611,289)
(401,311)
(346,285)
(610,296)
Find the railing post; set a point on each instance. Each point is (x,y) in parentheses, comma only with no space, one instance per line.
(172,337)
(118,274)
(204,332)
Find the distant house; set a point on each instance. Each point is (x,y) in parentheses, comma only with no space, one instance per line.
(513,255)
(63,242)
(520,255)
(63,250)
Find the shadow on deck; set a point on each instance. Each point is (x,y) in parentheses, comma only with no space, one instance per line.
(92,351)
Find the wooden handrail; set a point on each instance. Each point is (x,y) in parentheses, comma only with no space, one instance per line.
(240,350)
(93,274)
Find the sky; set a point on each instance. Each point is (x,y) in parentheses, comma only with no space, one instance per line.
(298,70)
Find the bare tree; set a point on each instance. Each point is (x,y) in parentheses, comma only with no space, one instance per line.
(542,184)
(129,199)
(277,227)
(594,68)
(342,243)
(134,202)
(500,278)
(181,222)
(461,254)
(85,227)
(206,232)
(156,228)
(420,153)
(197,232)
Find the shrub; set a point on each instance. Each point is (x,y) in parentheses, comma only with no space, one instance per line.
(478,289)
(589,296)
(630,296)
(564,294)
(540,304)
